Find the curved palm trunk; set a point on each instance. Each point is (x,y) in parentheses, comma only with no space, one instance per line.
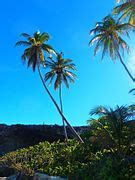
(57,107)
(61,107)
(130,75)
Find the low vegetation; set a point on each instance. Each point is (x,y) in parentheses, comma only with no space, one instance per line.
(107,150)
(104,154)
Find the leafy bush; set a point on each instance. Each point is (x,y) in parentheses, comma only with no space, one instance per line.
(108,152)
(55,159)
(72,159)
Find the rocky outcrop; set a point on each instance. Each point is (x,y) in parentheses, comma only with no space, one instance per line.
(19,136)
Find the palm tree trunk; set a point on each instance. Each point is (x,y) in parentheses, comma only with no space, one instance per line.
(57,107)
(130,75)
(61,107)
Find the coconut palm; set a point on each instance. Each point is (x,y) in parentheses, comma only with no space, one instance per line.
(36,46)
(127,9)
(61,72)
(114,122)
(107,36)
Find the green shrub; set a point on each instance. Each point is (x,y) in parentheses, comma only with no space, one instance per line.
(70,159)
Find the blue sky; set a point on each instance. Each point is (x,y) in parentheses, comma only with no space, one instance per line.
(23,99)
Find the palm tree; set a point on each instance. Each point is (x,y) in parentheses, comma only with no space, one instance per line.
(127,9)
(114,122)
(36,46)
(107,35)
(61,72)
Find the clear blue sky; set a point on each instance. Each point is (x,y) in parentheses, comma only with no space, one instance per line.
(22,97)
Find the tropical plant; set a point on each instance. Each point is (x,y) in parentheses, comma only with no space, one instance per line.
(35,47)
(107,35)
(75,161)
(112,123)
(127,9)
(61,72)
(34,54)
(54,158)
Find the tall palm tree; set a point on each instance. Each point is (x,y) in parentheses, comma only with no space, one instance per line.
(114,122)
(61,72)
(36,46)
(127,9)
(107,35)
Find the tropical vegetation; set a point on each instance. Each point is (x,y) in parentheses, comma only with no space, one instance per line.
(60,70)
(108,37)
(107,150)
(112,125)
(34,54)
(126,11)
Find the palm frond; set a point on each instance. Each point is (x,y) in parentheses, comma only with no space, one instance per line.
(94,39)
(132,18)
(70,66)
(57,82)
(70,74)
(65,80)
(132,91)
(127,9)
(49,75)
(48,48)
(32,61)
(105,47)
(25,35)
(44,37)
(23,43)
(99,110)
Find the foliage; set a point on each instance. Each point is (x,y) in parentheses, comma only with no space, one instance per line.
(113,159)
(109,166)
(127,11)
(108,153)
(34,55)
(60,70)
(35,47)
(54,159)
(108,36)
(111,128)
(73,160)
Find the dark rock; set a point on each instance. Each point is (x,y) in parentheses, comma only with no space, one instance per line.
(20,136)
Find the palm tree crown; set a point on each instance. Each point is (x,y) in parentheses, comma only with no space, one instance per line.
(107,35)
(121,114)
(127,8)
(114,121)
(61,71)
(36,46)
